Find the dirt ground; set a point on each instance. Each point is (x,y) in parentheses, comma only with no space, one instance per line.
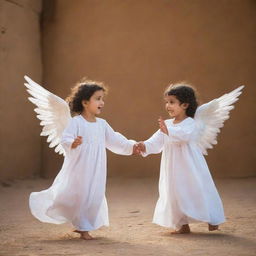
(131,205)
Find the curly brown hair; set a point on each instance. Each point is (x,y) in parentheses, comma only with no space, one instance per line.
(185,93)
(83,90)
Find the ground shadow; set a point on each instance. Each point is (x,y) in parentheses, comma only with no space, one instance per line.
(108,246)
(214,236)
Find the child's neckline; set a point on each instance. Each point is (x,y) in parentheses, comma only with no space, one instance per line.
(90,122)
(180,121)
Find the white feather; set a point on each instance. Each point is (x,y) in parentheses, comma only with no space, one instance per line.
(53,112)
(210,117)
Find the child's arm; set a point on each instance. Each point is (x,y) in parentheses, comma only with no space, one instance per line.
(119,144)
(153,145)
(69,139)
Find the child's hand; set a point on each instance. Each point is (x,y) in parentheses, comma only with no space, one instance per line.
(136,150)
(141,147)
(162,125)
(78,141)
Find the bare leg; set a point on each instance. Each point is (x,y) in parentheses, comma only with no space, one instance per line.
(212,227)
(185,229)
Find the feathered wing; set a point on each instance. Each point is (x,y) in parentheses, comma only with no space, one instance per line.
(210,117)
(53,112)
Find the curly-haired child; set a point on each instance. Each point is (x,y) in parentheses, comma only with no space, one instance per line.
(77,194)
(187,192)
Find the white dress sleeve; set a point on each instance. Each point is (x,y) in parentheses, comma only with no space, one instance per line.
(181,133)
(117,143)
(69,135)
(155,144)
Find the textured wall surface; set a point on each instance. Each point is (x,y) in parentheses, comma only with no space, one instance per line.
(137,48)
(20,54)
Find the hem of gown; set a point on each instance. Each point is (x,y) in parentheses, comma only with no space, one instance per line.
(48,219)
(51,220)
(58,222)
(88,229)
(190,221)
(217,223)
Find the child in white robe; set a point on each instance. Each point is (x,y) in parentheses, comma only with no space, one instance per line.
(187,192)
(77,194)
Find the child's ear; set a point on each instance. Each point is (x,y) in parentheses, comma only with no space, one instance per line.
(84,103)
(185,105)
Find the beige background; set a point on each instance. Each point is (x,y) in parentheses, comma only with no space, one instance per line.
(20,54)
(137,48)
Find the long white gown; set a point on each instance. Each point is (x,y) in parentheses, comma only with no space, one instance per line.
(187,192)
(77,194)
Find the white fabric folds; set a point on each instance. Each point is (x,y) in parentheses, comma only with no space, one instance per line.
(77,194)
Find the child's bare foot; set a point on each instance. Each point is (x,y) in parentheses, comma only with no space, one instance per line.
(185,229)
(213,227)
(85,235)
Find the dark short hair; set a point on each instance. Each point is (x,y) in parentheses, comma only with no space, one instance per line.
(185,94)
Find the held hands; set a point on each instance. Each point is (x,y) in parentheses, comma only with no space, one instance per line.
(139,148)
(162,125)
(78,141)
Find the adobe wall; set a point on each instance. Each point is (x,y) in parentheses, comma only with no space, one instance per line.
(137,48)
(20,54)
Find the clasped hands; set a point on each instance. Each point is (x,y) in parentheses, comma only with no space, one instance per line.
(139,148)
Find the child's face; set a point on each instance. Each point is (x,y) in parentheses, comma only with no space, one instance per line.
(95,103)
(174,107)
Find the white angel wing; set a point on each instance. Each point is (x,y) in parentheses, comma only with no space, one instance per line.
(210,118)
(53,112)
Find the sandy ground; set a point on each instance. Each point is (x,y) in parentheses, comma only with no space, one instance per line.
(131,205)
